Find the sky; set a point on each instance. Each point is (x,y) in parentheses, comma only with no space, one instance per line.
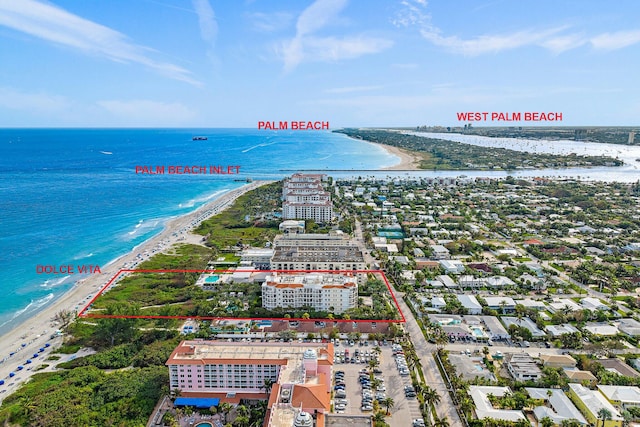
(233,63)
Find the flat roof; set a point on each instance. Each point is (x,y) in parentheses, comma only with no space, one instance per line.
(201,352)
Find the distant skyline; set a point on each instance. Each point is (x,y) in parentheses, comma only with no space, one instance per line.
(214,63)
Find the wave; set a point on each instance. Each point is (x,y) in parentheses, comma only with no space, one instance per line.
(203,199)
(89,255)
(143,226)
(47,284)
(34,305)
(106,152)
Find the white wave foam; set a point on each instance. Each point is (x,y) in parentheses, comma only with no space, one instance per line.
(49,284)
(89,255)
(34,305)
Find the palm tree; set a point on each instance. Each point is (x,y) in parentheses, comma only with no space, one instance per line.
(242,410)
(440,422)
(431,396)
(547,422)
(378,417)
(388,403)
(466,405)
(268,383)
(604,414)
(225,407)
(241,421)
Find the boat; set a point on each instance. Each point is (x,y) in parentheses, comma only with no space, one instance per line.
(243,180)
(199,138)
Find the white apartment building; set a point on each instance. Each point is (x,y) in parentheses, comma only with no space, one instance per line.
(316,252)
(323,292)
(304,197)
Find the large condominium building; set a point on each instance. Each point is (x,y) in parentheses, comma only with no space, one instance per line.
(304,197)
(316,252)
(300,375)
(323,292)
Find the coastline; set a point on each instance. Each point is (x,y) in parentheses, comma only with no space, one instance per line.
(27,338)
(409,160)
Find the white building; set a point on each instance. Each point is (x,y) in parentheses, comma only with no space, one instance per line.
(316,252)
(484,408)
(324,292)
(522,367)
(440,252)
(257,256)
(305,198)
(452,265)
(470,303)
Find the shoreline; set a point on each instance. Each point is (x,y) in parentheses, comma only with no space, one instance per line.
(26,339)
(409,160)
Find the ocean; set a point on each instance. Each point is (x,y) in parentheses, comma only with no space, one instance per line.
(72,196)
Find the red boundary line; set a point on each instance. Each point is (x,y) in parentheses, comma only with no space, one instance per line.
(84,314)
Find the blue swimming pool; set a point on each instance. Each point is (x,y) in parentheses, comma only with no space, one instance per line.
(212,279)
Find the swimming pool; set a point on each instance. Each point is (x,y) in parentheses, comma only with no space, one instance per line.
(478,332)
(212,279)
(205,424)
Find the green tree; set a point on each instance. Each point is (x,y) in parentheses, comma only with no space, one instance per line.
(604,414)
(388,403)
(113,329)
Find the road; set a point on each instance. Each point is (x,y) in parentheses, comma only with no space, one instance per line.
(446,408)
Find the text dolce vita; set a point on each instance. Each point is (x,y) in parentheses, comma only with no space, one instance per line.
(188,170)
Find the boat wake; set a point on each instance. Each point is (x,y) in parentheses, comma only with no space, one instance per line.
(264,144)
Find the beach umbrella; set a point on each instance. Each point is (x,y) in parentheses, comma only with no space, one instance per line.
(35,354)
(28,361)
(1,382)
(12,374)
(20,368)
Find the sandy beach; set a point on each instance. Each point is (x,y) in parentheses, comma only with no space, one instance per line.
(408,160)
(35,336)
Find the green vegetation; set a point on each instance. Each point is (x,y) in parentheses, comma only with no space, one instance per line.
(249,221)
(440,154)
(609,135)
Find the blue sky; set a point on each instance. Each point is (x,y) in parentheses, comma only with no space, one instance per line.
(214,63)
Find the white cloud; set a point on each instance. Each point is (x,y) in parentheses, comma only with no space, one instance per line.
(142,112)
(35,102)
(305,46)
(561,44)
(270,22)
(413,14)
(617,40)
(56,25)
(490,43)
(206,20)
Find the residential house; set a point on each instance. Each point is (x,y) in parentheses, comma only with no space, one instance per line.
(522,367)
(589,402)
(558,406)
(470,303)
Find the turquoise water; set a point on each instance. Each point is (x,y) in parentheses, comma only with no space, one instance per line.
(72,196)
(477,332)
(212,279)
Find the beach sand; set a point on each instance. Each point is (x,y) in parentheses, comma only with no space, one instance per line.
(409,160)
(28,338)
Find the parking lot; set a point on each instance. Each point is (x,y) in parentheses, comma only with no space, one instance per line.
(404,410)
